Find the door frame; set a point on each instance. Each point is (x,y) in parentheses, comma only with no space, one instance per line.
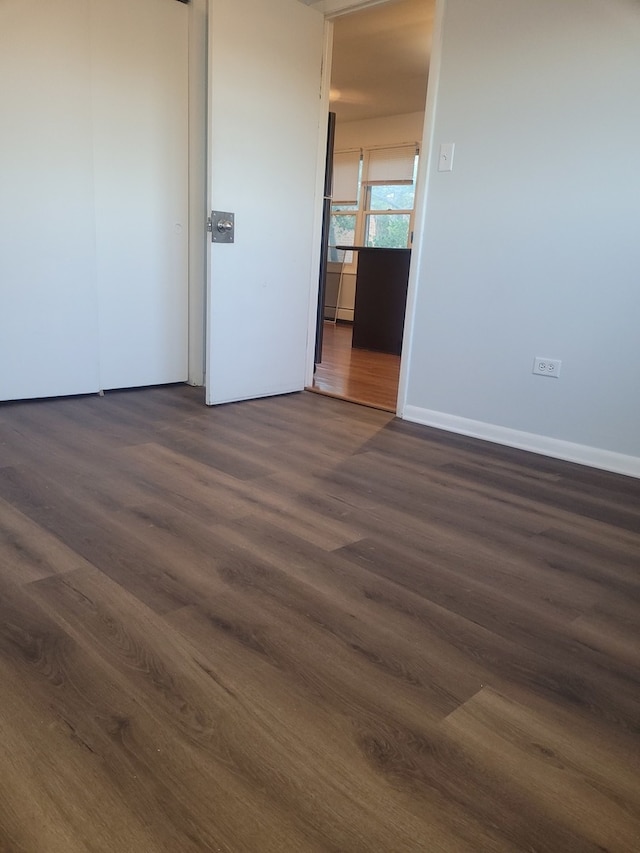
(426,164)
(199,200)
(198,193)
(314,283)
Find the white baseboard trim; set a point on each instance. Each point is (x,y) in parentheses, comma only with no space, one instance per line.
(582,454)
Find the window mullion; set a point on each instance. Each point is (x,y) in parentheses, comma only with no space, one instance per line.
(360,216)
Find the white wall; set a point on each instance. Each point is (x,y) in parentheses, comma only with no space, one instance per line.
(532,244)
(388,130)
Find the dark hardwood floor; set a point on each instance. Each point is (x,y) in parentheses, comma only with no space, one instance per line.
(296,624)
(358,375)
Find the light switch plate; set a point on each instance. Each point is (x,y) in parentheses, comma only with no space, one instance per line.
(445,160)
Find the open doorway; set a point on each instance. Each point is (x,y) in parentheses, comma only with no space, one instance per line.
(378,92)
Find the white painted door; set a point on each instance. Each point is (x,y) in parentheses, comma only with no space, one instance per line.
(265,125)
(48,300)
(140,116)
(93,195)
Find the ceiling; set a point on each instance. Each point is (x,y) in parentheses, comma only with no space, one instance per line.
(381,56)
(331,7)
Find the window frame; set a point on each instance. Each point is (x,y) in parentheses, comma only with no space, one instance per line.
(363,208)
(369,211)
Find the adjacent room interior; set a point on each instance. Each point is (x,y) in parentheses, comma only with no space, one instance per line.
(380,66)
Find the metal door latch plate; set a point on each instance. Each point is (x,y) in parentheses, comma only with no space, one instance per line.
(222,226)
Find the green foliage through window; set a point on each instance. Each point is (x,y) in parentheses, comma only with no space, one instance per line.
(387,230)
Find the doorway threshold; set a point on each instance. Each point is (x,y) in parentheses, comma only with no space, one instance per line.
(359,376)
(350,399)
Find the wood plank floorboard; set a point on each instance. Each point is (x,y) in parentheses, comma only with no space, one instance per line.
(360,376)
(298,625)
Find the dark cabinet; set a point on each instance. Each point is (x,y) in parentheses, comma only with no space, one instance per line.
(381,298)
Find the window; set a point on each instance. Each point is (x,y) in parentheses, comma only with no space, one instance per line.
(346,176)
(344,210)
(373,199)
(389,195)
(342,231)
(388,213)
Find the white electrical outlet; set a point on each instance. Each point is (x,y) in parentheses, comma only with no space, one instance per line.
(547,366)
